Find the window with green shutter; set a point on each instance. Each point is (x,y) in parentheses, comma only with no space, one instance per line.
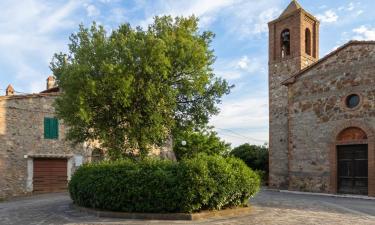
(51,128)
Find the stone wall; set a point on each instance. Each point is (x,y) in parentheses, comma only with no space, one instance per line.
(22,133)
(317,111)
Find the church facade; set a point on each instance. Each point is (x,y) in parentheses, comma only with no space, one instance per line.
(322,111)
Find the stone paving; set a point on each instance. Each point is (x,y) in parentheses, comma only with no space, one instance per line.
(269,207)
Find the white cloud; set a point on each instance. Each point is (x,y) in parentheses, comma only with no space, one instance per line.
(92,11)
(364,33)
(55,19)
(350,6)
(243,120)
(37,85)
(250,65)
(197,7)
(29,38)
(246,18)
(266,16)
(329,16)
(234,69)
(244,62)
(26,71)
(204,9)
(249,18)
(228,74)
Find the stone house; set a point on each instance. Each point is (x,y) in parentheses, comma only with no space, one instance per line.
(34,157)
(322,111)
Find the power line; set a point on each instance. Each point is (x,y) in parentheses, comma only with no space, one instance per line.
(243,136)
(235,136)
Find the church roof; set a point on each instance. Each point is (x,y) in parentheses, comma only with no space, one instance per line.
(292,7)
(294,77)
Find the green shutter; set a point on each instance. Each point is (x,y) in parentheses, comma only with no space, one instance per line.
(55,129)
(51,128)
(47,128)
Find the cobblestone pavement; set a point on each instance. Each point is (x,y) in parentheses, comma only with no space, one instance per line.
(269,207)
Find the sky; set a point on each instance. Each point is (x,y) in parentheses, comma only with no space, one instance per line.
(31,31)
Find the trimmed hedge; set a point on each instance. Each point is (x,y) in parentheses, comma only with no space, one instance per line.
(156,186)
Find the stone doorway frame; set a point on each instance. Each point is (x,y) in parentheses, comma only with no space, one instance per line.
(30,166)
(370,141)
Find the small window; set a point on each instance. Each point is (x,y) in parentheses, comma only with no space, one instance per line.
(285,43)
(97,155)
(308,41)
(51,128)
(352,101)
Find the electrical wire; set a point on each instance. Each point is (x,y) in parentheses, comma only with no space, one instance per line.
(243,136)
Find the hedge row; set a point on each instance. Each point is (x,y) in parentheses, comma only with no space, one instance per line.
(201,183)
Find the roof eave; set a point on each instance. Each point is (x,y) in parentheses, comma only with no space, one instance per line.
(36,95)
(293,78)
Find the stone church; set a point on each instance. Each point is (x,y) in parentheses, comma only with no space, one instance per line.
(322,110)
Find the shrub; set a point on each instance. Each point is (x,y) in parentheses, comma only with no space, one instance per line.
(256,157)
(263,176)
(151,185)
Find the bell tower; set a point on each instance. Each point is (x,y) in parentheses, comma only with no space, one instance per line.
(293,45)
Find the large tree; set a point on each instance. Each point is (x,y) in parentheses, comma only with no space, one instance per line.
(130,89)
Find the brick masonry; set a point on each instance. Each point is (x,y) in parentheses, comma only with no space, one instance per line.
(280,69)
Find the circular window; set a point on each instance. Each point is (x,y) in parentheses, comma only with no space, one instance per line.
(352,101)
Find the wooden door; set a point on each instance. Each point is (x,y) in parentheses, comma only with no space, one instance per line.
(50,175)
(352,162)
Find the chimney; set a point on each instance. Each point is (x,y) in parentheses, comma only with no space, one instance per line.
(50,82)
(9,91)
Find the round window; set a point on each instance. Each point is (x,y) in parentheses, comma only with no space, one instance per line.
(352,101)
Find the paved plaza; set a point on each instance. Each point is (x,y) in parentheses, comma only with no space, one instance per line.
(269,207)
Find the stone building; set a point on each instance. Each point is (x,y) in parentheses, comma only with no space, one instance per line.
(34,155)
(322,111)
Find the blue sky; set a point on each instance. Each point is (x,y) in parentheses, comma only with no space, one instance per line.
(31,31)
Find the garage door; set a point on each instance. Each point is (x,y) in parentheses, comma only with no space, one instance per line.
(50,175)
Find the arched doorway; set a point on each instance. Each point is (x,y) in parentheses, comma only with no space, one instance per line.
(350,134)
(352,161)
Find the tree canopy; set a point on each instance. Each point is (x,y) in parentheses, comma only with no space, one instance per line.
(131,88)
(201,141)
(255,156)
